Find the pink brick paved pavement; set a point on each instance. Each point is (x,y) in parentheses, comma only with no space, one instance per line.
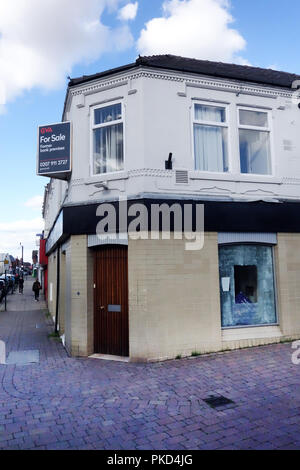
(70,403)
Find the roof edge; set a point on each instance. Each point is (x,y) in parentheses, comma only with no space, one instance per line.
(221,70)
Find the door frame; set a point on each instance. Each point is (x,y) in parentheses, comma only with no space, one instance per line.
(96,249)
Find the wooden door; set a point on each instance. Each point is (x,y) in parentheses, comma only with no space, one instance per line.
(111,301)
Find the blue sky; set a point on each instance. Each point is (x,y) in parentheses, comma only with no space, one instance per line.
(265,36)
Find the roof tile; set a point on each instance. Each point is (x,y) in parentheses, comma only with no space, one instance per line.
(203,67)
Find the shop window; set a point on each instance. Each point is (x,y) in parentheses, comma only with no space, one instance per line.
(247,285)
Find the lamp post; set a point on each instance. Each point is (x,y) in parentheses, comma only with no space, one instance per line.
(5,263)
(5,291)
(22,265)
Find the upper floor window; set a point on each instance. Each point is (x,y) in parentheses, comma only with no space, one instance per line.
(108,139)
(254,137)
(210,138)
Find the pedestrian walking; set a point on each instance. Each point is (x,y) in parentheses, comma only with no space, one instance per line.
(36,287)
(21,285)
(10,285)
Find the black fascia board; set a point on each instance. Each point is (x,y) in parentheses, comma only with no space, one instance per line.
(256,216)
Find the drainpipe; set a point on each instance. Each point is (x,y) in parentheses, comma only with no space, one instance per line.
(57,290)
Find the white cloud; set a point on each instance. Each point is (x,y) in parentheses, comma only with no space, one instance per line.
(20,231)
(193,28)
(129,11)
(40,42)
(34,202)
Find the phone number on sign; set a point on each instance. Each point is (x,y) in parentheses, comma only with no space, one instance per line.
(55,163)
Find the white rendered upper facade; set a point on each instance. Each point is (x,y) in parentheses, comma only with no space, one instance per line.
(230,139)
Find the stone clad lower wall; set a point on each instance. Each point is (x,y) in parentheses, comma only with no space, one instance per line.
(287,259)
(76,295)
(174,298)
(80,284)
(174,304)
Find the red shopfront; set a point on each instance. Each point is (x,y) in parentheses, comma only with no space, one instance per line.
(44,265)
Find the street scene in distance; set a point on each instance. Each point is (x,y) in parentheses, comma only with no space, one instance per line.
(150,255)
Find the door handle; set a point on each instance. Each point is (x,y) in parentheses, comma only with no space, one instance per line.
(102,307)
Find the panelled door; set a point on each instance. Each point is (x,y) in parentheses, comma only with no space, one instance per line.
(111,300)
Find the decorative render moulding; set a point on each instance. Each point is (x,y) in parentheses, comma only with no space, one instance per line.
(214,190)
(155,173)
(77,182)
(122,175)
(103,85)
(186,80)
(291,181)
(231,88)
(257,191)
(235,177)
(107,87)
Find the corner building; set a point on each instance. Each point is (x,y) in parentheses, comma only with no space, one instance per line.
(233,132)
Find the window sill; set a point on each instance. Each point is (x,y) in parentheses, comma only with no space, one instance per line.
(115,176)
(251,332)
(235,177)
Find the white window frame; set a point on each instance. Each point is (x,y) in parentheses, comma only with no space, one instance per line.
(94,126)
(226,125)
(256,128)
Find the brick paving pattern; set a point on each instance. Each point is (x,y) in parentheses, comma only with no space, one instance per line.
(71,403)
